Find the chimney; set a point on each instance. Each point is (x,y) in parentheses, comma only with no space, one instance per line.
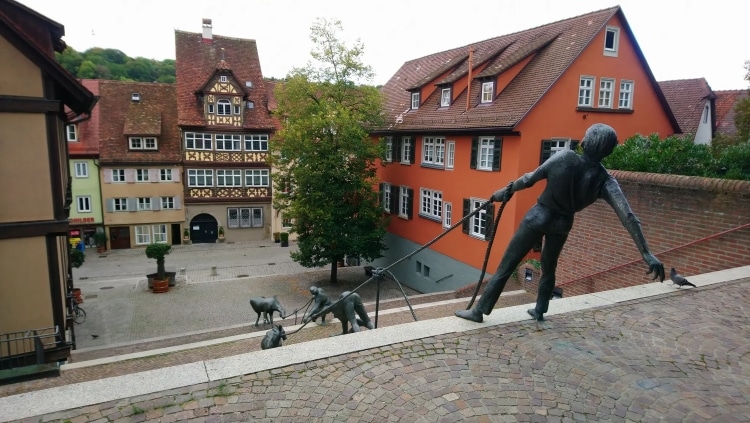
(207,35)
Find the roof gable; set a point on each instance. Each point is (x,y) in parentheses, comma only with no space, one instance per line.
(687,98)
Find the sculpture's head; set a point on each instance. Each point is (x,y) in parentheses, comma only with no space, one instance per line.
(314,290)
(599,142)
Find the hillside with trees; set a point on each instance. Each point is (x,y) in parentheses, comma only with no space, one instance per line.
(112,64)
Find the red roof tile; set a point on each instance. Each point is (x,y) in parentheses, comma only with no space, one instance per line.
(88,129)
(687,99)
(726,100)
(196,61)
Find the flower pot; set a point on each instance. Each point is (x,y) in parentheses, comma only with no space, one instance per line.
(77,295)
(152,277)
(160,285)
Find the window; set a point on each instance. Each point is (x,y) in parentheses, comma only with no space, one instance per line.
(142,235)
(450,160)
(705,114)
(552,146)
(223,78)
(223,107)
(228,142)
(585,89)
(385,196)
(140,143)
(71,133)
(256,142)
(486,153)
(445,97)
(486,146)
(144,203)
(165,175)
(118,175)
(405,202)
(611,41)
(606,86)
(81,169)
(431,204)
(626,95)
(229,178)
(141,175)
(388,149)
(200,178)
(478,222)
(488,94)
(195,141)
(286,221)
(160,233)
(257,178)
(415,100)
(120,204)
(83,204)
(237,110)
(210,108)
(167,203)
(406,151)
(433,150)
(447,215)
(250,217)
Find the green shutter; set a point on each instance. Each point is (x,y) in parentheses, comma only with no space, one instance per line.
(474,152)
(409,202)
(413,149)
(396,145)
(490,221)
(497,150)
(467,210)
(546,151)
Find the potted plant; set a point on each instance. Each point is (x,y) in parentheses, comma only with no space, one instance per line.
(276,237)
(159,281)
(221,233)
(186,235)
(284,239)
(100,239)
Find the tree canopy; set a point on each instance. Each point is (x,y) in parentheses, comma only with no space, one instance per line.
(112,64)
(324,158)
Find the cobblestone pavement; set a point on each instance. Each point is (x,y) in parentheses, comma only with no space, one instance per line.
(679,357)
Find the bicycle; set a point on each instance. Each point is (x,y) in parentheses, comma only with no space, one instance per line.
(79,314)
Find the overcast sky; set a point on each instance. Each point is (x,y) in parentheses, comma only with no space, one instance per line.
(680,38)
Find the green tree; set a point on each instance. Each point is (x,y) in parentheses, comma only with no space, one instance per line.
(742,112)
(324,159)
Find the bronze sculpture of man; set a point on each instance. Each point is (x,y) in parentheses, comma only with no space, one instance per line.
(573,182)
(320,301)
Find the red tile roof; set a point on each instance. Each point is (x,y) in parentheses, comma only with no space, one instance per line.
(154,114)
(197,61)
(726,100)
(554,47)
(88,130)
(687,99)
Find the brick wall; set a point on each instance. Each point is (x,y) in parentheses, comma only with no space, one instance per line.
(674,211)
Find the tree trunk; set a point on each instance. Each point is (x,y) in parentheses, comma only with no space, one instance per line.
(334,272)
(160,271)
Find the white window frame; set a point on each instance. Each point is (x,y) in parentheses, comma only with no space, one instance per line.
(389,149)
(433,151)
(141,175)
(83,203)
(558,144)
(387,197)
(447,214)
(586,91)
(144,204)
(286,222)
(488,92)
(142,143)
(625,100)
(478,223)
(613,50)
(406,150)
(200,178)
(142,235)
(257,178)
(228,142)
(198,141)
(241,221)
(159,233)
(403,202)
(450,155)
(223,78)
(120,204)
(118,175)
(445,97)
(606,89)
(223,107)
(415,100)
(431,204)
(228,177)
(71,132)
(166,175)
(485,153)
(167,203)
(81,169)
(256,142)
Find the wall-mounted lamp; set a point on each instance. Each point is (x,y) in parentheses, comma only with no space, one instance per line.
(585,115)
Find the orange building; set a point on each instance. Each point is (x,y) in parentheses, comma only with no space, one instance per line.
(464,122)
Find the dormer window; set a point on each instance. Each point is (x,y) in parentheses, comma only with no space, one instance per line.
(135,97)
(488,91)
(223,107)
(415,100)
(611,41)
(142,143)
(445,97)
(71,133)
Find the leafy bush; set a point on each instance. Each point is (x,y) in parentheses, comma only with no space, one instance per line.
(680,156)
(76,257)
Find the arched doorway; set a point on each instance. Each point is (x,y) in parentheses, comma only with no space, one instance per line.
(204,229)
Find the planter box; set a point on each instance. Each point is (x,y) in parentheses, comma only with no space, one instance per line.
(152,276)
